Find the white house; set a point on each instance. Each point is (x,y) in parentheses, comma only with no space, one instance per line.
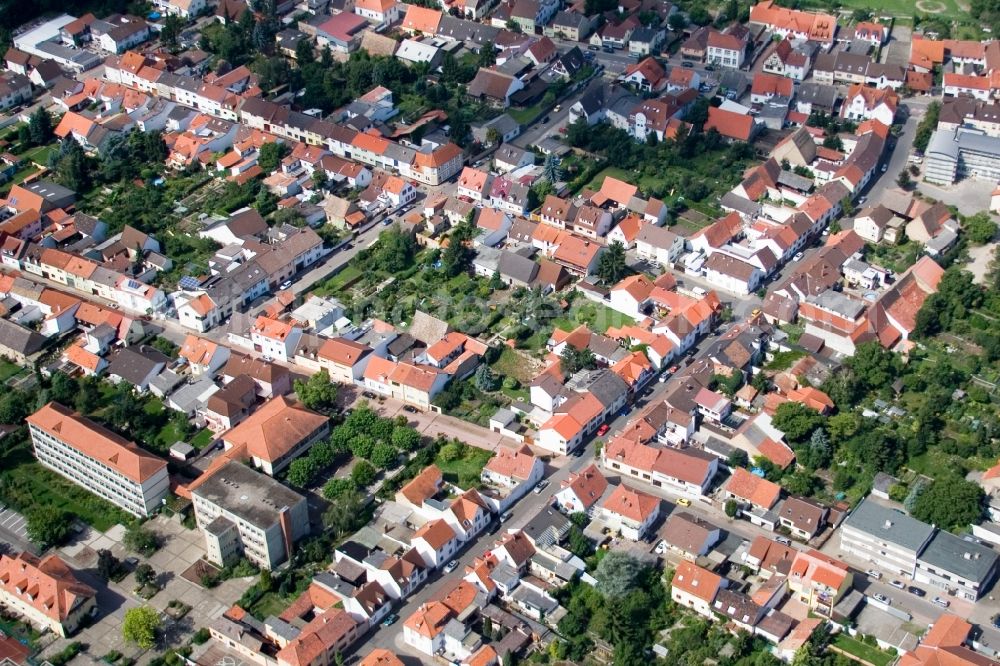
(275,339)
(629,512)
(436,542)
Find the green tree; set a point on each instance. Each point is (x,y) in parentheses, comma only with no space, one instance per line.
(573,360)
(363,474)
(980,228)
(950,503)
(140,540)
(107,564)
(270,155)
(140,626)
(457,257)
(72,166)
(611,266)
(818,453)
(318,392)
(677,21)
(904,180)
(47,525)
(486,380)
(15,405)
(171,32)
(617,574)
(384,456)
(40,127)
(405,438)
(927,126)
(874,366)
(550,168)
(796,420)
(302,471)
(731,508)
(344,514)
(144,574)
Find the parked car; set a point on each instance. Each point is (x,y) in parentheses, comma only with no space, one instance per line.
(603,430)
(578,452)
(411,409)
(451,566)
(683,501)
(943,603)
(540,486)
(785,541)
(995,621)
(368,394)
(877,575)
(286,284)
(898,584)
(687,64)
(881,597)
(661,548)
(710,67)
(798,256)
(507,516)
(390,620)
(545,120)
(915,591)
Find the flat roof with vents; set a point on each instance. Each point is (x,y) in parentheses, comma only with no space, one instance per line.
(248,494)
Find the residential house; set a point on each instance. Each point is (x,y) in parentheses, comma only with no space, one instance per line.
(629,512)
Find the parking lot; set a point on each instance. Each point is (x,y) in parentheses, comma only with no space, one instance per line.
(14,528)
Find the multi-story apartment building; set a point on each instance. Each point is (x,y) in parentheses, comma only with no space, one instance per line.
(957,566)
(884,536)
(99,460)
(244,513)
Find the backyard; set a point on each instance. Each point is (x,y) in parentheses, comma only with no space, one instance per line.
(462,464)
(862,651)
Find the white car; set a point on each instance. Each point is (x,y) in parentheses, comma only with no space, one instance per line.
(877,575)
(286,284)
(661,548)
(884,599)
(943,603)
(451,566)
(798,256)
(898,584)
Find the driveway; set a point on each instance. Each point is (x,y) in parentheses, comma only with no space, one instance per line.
(14,530)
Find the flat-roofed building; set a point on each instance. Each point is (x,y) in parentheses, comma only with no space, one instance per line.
(245,513)
(97,459)
(884,536)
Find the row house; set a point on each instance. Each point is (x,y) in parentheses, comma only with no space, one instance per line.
(688,471)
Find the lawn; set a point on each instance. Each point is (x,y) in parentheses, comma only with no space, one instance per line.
(39,154)
(598,317)
(8,370)
(202,439)
(466,469)
(338,281)
(527,115)
(862,651)
(19,177)
(949,9)
(512,364)
(645,183)
(38,486)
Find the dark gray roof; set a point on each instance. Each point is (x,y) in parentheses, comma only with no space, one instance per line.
(135,364)
(516,267)
(608,387)
(248,494)
(20,339)
(817,93)
(889,525)
(547,521)
(466,31)
(966,559)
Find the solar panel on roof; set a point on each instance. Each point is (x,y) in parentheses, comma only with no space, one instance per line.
(188,282)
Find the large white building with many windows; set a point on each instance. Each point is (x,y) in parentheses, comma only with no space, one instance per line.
(245,513)
(104,463)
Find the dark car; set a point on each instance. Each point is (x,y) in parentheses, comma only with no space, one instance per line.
(545,120)
(411,409)
(687,64)
(369,395)
(916,591)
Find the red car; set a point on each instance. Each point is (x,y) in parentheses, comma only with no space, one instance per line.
(603,430)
